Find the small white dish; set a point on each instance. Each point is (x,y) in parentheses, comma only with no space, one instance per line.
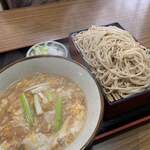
(52,48)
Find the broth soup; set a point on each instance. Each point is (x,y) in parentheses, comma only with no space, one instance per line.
(41,112)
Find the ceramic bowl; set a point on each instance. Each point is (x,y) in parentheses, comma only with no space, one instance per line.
(67,68)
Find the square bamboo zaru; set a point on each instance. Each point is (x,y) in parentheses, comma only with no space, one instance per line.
(117,103)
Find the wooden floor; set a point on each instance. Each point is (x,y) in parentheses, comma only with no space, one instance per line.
(1,9)
(137,139)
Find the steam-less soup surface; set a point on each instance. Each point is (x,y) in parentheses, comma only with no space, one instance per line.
(41,112)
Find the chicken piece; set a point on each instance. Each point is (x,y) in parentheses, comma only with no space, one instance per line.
(67,134)
(37,141)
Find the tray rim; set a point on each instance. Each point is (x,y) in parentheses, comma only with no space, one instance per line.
(128,126)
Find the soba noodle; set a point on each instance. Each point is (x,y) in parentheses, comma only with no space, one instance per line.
(119,63)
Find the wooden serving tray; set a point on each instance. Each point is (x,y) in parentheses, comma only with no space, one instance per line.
(109,127)
(116,107)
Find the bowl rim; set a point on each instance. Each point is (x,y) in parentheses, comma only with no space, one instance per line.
(50,41)
(101,114)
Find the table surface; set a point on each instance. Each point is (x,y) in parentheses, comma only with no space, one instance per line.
(24,27)
(136,139)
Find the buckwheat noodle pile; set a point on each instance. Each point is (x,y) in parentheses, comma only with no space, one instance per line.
(119,63)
